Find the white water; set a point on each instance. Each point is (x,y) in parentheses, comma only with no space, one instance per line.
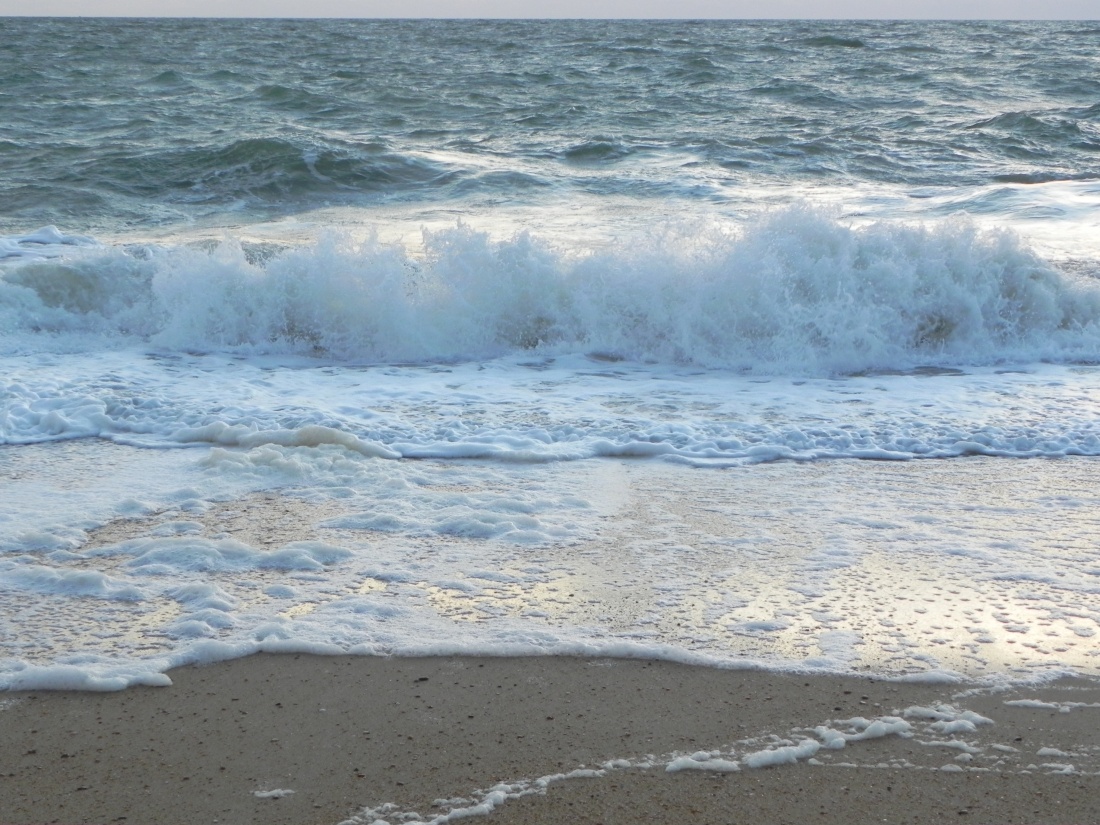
(945,569)
(793,292)
(657,448)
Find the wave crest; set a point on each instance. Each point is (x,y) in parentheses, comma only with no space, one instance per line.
(796,292)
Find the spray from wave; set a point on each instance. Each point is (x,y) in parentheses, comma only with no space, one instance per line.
(794,292)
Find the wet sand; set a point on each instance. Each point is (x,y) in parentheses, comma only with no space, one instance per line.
(349,733)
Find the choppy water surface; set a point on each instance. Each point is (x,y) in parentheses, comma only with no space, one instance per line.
(116,125)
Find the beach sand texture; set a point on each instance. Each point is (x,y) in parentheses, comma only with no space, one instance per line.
(364,738)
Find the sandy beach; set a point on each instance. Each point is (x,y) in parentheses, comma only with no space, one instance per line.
(353,734)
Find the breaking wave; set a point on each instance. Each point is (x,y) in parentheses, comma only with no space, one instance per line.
(795,292)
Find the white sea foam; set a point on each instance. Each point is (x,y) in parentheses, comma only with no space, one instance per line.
(1061,707)
(47,242)
(495,505)
(702,761)
(547,410)
(785,748)
(795,292)
(619,558)
(784,755)
(277,793)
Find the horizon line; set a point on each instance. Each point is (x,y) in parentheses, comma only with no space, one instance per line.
(504,18)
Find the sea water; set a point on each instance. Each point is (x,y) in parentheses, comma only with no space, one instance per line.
(769,344)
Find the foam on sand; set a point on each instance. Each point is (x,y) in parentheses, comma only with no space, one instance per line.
(585,558)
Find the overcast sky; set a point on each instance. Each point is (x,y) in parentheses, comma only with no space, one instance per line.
(843,9)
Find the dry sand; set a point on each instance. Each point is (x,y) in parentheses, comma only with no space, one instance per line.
(346,733)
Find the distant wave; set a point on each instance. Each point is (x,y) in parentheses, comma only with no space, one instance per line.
(795,292)
(264,168)
(835,42)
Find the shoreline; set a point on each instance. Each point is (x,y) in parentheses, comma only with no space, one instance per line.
(350,733)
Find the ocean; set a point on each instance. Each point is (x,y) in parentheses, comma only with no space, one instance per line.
(768,344)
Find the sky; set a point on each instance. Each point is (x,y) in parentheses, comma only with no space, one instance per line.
(836,9)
